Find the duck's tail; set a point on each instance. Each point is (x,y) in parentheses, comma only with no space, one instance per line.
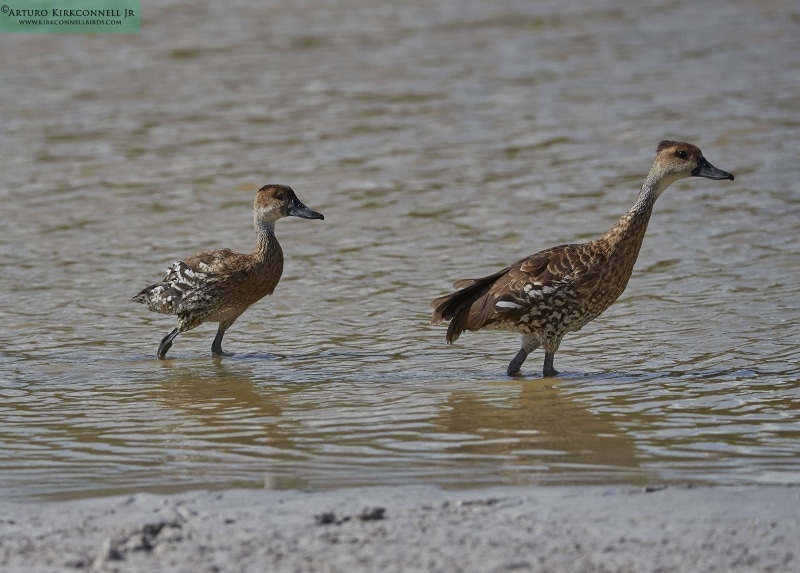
(142,296)
(161,297)
(458,307)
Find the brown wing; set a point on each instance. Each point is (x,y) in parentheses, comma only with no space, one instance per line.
(508,294)
(210,262)
(184,278)
(219,264)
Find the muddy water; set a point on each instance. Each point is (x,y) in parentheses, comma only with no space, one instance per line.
(441,140)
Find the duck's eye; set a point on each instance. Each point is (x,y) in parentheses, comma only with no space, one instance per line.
(681,154)
(279,196)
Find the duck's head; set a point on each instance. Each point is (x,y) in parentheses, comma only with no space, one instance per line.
(274,202)
(678,160)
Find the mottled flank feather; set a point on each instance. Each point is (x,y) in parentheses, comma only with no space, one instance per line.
(561,289)
(181,282)
(219,285)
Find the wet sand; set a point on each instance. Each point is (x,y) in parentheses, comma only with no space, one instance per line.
(569,529)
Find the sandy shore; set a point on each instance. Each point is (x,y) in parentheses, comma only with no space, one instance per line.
(586,529)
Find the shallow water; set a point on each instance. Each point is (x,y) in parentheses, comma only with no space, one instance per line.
(440,141)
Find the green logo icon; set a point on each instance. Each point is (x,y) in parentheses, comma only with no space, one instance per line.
(69,16)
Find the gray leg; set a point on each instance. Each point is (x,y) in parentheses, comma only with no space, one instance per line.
(548,371)
(529,344)
(166,343)
(516,362)
(216,346)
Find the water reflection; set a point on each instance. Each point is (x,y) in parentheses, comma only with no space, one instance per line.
(537,430)
(229,416)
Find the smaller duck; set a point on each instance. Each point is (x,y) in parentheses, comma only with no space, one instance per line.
(562,289)
(219,285)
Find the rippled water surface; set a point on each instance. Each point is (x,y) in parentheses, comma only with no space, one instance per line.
(441,140)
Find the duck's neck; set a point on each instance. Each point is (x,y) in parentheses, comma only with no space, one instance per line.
(266,243)
(628,232)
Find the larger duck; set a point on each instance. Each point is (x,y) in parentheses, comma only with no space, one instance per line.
(561,289)
(219,285)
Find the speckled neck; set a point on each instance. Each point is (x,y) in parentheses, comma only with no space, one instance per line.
(265,237)
(632,226)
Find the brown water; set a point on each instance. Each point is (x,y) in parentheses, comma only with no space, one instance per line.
(441,140)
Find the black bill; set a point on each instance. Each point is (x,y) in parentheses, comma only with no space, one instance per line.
(297,209)
(705,169)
